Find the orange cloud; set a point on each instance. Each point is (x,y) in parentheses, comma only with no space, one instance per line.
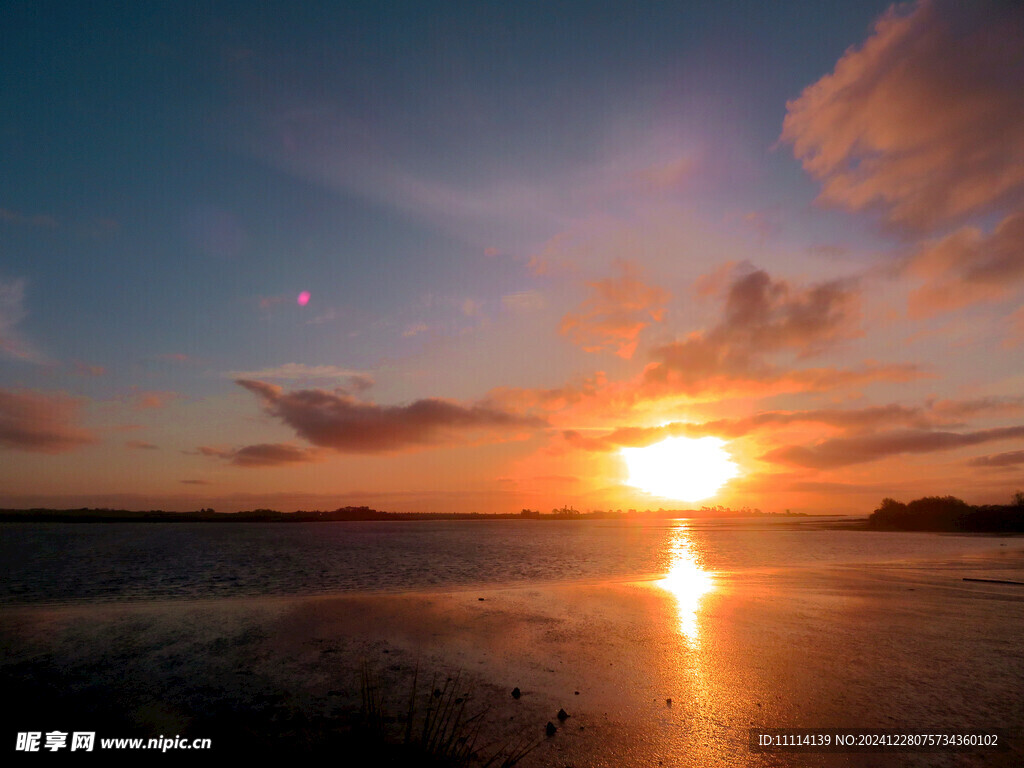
(618,309)
(40,423)
(339,421)
(923,121)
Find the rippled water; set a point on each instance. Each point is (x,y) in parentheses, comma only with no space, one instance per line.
(53,562)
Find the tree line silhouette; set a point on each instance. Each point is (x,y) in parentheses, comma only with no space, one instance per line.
(948,513)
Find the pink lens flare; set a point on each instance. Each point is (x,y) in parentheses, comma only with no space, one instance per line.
(303,298)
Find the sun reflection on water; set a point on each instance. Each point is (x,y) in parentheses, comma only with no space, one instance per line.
(687,582)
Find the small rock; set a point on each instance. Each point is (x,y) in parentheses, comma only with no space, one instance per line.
(668,702)
(562,715)
(550,729)
(437,693)
(575,693)
(480,599)
(516,693)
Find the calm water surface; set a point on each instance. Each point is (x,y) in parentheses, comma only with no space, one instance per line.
(54,562)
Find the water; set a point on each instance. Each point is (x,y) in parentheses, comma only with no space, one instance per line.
(742,623)
(58,563)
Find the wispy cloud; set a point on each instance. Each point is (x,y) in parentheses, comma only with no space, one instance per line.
(141,445)
(153,399)
(414,329)
(13,343)
(300,372)
(523,302)
(39,220)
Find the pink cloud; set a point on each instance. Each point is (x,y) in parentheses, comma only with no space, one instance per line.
(43,423)
(968,266)
(923,120)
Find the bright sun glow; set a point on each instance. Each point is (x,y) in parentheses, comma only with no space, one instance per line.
(680,468)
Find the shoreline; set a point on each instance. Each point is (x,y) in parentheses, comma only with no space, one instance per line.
(281,672)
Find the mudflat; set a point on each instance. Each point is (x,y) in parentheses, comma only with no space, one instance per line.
(671,672)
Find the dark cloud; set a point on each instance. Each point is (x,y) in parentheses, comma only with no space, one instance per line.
(1003,460)
(41,423)
(844,451)
(141,445)
(263,454)
(337,420)
(763,318)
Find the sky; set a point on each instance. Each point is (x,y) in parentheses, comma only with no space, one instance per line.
(455,257)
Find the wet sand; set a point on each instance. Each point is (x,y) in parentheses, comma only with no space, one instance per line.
(905,647)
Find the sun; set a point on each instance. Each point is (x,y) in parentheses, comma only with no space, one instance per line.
(681,468)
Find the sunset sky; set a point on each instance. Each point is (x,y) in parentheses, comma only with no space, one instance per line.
(456,256)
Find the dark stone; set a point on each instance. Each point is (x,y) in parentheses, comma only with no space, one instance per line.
(562,715)
(516,693)
(550,729)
